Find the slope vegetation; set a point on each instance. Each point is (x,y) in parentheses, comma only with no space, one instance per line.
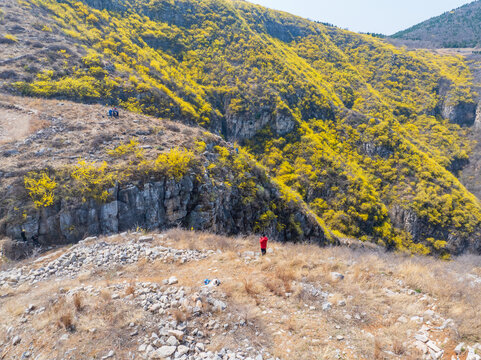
(367,135)
(83,173)
(459,28)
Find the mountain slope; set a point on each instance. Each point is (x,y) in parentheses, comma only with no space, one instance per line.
(82,174)
(368,135)
(459,28)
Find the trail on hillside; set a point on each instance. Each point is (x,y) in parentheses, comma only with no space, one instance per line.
(14,124)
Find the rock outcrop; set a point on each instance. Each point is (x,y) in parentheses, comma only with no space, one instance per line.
(167,203)
(458,111)
(420,228)
(462,113)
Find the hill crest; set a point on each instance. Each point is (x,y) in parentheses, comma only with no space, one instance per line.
(458,28)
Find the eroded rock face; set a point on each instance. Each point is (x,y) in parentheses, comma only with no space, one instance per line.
(463,113)
(420,229)
(477,120)
(241,126)
(169,203)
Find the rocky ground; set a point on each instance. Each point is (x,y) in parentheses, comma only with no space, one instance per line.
(142,296)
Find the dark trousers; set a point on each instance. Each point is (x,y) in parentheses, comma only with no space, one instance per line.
(263,251)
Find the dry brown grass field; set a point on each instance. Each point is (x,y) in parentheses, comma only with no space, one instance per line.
(373,313)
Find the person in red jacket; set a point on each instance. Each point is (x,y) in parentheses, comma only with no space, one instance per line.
(263,242)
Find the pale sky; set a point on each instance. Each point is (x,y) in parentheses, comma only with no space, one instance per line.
(379,16)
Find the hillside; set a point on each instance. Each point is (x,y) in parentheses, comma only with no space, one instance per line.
(459,28)
(141,296)
(83,173)
(364,137)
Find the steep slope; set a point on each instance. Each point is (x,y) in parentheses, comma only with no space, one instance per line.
(459,28)
(83,173)
(369,135)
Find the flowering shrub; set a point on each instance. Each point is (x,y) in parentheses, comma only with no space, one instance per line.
(41,188)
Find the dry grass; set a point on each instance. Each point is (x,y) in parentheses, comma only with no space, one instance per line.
(250,288)
(182,239)
(378,353)
(37,124)
(398,347)
(256,293)
(178,315)
(66,320)
(275,286)
(130,290)
(22,116)
(105,295)
(77,302)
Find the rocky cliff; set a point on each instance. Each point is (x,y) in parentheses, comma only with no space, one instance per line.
(168,203)
(219,188)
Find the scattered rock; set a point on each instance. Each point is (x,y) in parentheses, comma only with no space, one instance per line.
(145,239)
(337,276)
(11,152)
(421,337)
(459,349)
(172,341)
(472,354)
(109,355)
(326,306)
(16,340)
(164,352)
(182,350)
(179,335)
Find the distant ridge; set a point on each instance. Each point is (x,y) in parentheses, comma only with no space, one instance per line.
(458,28)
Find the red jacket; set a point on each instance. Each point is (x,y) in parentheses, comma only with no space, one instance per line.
(263,242)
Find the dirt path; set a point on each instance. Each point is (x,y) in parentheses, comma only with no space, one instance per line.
(14,124)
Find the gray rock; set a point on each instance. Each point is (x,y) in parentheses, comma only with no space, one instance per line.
(11,152)
(173,280)
(472,354)
(172,341)
(433,346)
(460,348)
(326,306)
(164,352)
(421,337)
(179,335)
(146,239)
(219,305)
(336,276)
(109,355)
(16,340)
(182,350)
